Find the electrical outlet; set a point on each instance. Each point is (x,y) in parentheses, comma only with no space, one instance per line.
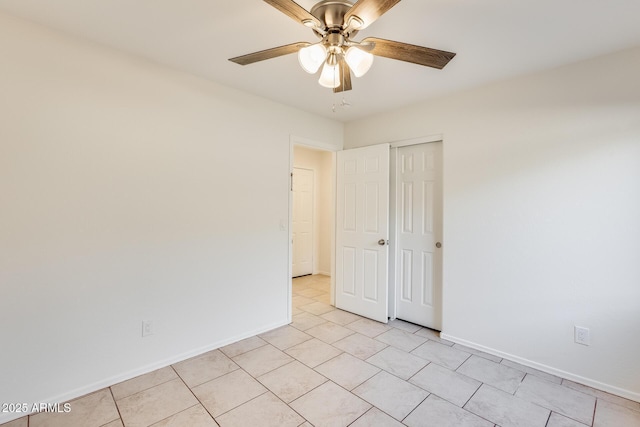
(582,335)
(147,328)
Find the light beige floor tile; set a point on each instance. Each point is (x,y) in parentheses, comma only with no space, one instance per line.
(441,354)
(621,401)
(301,280)
(341,317)
(447,384)
(324,298)
(360,346)
(306,321)
(241,347)
(93,410)
(494,374)
(391,394)
(155,404)
(433,336)
(482,354)
(563,400)
(264,411)
(299,301)
(532,371)
(116,423)
(438,412)
(330,405)
(227,392)
(329,332)
(557,420)
(205,367)
(262,360)
(398,362)
(196,416)
(368,327)
(611,415)
(143,382)
(313,352)
(285,337)
(347,371)
(20,422)
(306,424)
(311,292)
(318,308)
(291,381)
(404,326)
(505,409)
(375,417)
(296,310)
(401,339)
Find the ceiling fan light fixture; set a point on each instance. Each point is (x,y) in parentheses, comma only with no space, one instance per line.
(359,61)
(330,76)
(312,57)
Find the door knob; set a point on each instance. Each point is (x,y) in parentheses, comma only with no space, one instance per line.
(382,242)
(438,245)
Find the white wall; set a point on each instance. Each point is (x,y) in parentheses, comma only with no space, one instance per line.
(542,215)
(321,163)
(129,191)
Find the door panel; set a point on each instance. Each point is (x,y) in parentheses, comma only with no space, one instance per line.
(419,261)
(302,263)
(362,221)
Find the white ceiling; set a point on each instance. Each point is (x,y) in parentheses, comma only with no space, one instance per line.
(493,39)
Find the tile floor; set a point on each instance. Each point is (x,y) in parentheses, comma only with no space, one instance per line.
(333,368)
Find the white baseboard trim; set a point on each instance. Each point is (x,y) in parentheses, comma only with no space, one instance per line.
(108,382)
(627,394)
(324,273)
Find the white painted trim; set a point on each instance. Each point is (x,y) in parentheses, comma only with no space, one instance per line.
(417,141)
(92,388)
(627,394)
(310,143)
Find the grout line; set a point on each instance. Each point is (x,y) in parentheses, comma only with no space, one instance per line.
(471,397)
(429,394)
(116,405)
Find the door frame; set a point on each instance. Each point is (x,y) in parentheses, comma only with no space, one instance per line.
(393,219)
(319,146)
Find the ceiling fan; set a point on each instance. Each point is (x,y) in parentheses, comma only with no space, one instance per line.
(336,22)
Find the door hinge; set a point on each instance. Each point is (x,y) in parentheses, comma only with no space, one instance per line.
(291,182)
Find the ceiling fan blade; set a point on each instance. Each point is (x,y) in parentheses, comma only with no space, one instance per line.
(369,10)
(294,11)
(345,77)
(269,53)
(410,53)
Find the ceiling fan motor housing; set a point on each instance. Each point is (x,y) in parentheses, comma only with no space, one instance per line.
(331,13)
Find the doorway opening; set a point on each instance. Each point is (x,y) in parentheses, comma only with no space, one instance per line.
(312,213)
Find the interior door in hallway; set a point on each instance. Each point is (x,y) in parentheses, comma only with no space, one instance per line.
(302,263)
(419,232)
(362,230)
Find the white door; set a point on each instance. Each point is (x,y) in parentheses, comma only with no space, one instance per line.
(419,231)
(302,263)
(362,230)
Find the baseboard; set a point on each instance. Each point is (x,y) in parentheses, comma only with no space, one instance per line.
(108,382)
(324,273)
(627,394)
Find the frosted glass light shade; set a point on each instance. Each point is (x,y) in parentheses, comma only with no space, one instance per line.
(312,57)
(359,61)
(330,76)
